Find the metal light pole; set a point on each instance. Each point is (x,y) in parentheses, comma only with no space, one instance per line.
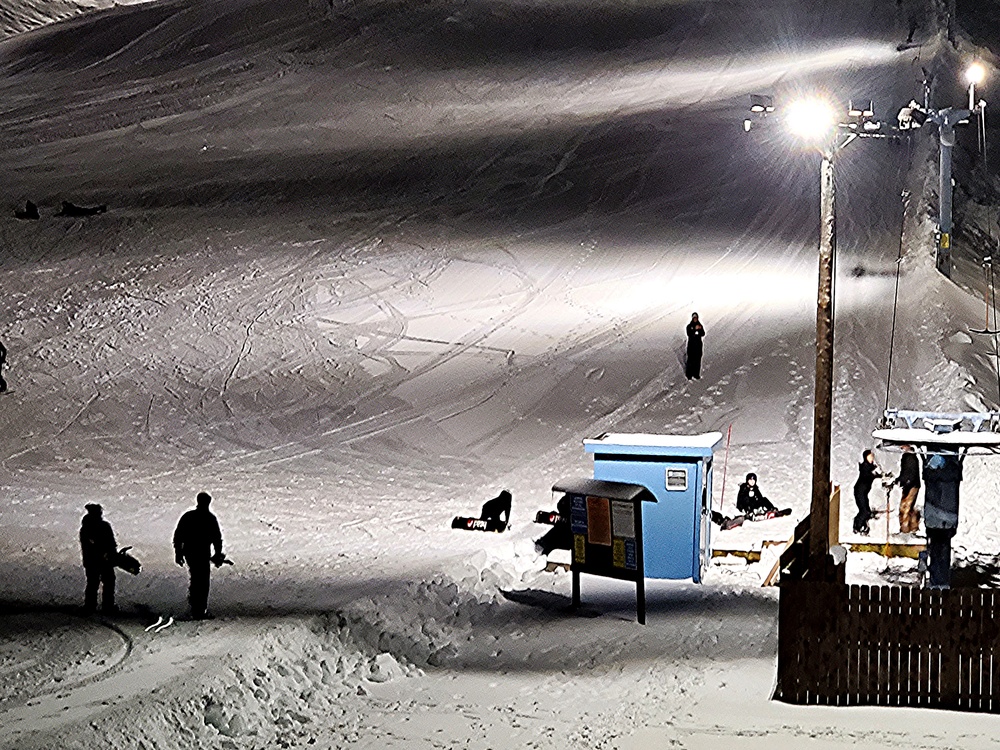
(946,120)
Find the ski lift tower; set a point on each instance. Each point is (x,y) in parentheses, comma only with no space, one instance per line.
(946,119)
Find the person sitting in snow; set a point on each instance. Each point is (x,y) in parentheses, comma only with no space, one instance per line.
(750,502)
(497,507)
(559,536)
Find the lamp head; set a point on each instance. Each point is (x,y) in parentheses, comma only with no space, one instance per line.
(811,119)
(975,73)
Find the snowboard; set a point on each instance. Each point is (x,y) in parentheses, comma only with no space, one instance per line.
(778,513)
(127,562)
(549,517)
(478,524)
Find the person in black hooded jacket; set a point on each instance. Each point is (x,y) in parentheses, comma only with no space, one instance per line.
(750,501)
(868,472)
(196,534)
(99,549)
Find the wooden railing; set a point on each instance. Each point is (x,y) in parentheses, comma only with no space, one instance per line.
(885,645)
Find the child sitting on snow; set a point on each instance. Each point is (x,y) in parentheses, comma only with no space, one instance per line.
(750,502)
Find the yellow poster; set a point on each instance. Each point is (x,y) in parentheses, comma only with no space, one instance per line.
(579,549)
(618,553)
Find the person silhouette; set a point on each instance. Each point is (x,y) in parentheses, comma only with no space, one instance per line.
(498,509)
(695,333)
(3,361)
(99,549)
(196,534)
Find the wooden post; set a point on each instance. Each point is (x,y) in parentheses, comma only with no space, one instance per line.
(819,512)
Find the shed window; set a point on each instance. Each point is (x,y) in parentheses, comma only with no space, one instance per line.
(677,479)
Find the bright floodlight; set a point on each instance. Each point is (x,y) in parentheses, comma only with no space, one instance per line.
(811,118)
(975,73)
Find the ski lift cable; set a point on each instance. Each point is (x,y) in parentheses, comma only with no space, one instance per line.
(895,298)
(996,332)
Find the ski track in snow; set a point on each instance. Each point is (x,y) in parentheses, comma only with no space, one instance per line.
(363,265)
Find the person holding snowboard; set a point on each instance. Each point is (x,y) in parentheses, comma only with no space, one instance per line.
(695,333)
(909,484)
(99,550)
(196,534)
(868,472)
(751,502)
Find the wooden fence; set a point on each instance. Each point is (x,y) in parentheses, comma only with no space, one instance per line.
(886,645)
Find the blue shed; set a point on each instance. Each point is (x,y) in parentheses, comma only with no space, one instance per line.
(677,470)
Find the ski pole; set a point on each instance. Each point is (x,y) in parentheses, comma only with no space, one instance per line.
(725,464)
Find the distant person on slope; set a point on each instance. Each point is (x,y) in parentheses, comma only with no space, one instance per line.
(915,11)
(196,534)
(751,502)
(909,484)
(3,361)
(868,471)
(695,333)
(99,550)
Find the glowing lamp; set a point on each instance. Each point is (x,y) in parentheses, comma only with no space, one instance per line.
(811,119)
(975,73)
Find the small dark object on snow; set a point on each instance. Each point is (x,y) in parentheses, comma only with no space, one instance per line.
(725,522)
(30,211)
(219,559)
(71,209)
(127,562)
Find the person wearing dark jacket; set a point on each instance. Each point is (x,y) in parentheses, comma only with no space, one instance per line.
(3,361)
(695,333)
(559,536)
(749,500)
(942,475)
(196,534)
(868,472)
(909,484)
(99,549)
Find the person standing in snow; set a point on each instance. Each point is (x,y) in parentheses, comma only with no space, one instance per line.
(695,333)
(915,11)
(909,484)
(942,475)
(3,361)
(99,550)
(868,471)
(196,534)
(749,500)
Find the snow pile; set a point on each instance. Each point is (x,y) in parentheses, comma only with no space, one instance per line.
(281,680)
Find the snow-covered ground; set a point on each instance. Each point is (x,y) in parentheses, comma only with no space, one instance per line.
(366,264)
